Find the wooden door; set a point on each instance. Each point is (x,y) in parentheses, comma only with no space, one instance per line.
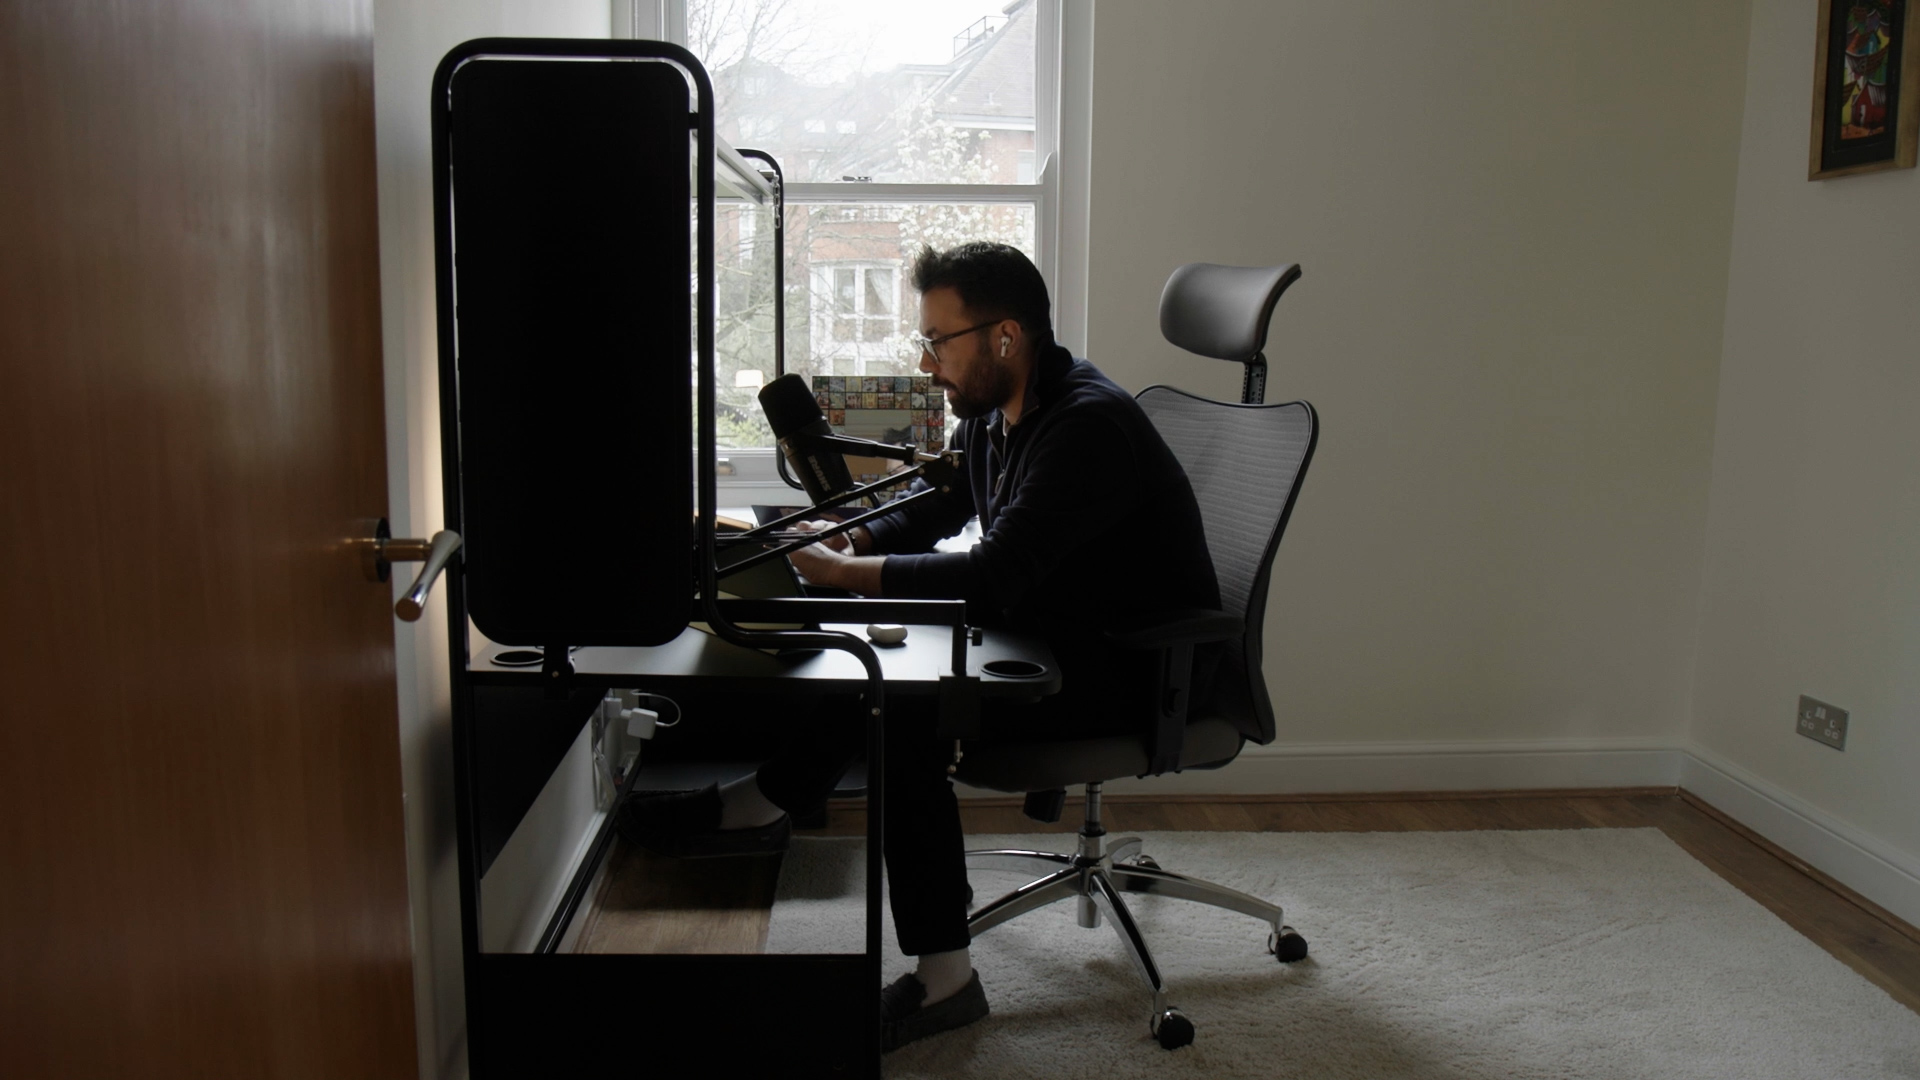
(201,840)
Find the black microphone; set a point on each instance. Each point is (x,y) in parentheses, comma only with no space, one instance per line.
(801,427)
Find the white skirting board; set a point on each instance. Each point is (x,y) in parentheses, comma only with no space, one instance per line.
(1876,870)
(1359,768)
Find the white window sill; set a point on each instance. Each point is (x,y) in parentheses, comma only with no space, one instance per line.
(754,479)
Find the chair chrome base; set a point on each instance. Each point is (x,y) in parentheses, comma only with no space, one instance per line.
(1094,877)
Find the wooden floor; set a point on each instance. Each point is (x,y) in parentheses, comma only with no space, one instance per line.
(648,904)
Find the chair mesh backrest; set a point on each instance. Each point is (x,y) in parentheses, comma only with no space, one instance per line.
(1245,463)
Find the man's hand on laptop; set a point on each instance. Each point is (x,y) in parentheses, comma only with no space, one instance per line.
(829,562)
(818,562)
(837,543)
(855,541)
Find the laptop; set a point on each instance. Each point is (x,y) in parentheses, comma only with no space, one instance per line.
(772,579)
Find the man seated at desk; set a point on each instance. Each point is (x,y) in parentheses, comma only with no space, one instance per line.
(1086,519)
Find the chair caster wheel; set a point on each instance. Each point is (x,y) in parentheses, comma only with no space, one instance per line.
(1146,861)
(1172,1029)
(1287,945)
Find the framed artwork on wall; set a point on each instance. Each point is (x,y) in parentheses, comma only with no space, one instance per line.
(1866,88)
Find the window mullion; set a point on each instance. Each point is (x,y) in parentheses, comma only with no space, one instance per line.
(1046,80)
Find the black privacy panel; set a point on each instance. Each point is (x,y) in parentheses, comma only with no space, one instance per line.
(571,277)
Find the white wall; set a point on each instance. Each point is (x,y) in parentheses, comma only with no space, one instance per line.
(1514,222)
(1812,580)
(410,37)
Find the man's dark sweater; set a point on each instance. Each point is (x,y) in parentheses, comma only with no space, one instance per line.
(1086,519)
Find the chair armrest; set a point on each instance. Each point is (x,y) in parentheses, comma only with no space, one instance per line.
(1185,626)
(1173,635)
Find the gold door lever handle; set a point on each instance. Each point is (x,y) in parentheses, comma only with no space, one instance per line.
(383,550)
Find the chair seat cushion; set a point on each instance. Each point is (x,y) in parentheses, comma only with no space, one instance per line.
(1037,766)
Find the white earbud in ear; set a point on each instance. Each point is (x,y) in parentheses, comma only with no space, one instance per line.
(1004,342)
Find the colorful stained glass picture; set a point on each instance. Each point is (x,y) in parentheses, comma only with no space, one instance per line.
(1863,76)
(884,408)
(1865,114)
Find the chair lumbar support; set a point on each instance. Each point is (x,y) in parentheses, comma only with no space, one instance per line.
(1094,877)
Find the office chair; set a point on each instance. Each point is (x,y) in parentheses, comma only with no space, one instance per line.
(1246,461)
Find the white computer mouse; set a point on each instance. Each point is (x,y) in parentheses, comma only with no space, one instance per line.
(886,633)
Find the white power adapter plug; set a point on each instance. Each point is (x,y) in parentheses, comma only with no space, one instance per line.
(640,722)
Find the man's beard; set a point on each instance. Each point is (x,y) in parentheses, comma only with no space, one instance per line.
(988,386)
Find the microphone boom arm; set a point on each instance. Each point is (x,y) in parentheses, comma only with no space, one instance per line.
(938,470)
(847,444)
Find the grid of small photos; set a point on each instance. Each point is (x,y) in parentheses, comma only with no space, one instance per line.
(919,411)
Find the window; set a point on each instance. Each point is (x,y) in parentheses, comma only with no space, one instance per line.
(855,325)
(941,115)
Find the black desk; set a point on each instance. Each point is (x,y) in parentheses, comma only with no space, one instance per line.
(516,733)
(510,735)
(585,216)
(697,658)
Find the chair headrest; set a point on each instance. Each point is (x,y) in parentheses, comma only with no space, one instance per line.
(1222,311)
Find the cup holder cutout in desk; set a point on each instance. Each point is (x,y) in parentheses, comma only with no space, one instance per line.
(524,657)
(1014,669)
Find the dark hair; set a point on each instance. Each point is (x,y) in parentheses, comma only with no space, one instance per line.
(994,281)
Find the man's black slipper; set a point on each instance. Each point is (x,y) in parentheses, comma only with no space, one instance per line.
(686,825)
(904,1019)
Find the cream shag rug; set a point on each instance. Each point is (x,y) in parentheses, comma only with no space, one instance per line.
(1569,954)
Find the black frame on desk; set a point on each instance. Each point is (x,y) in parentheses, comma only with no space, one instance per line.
(549,1013)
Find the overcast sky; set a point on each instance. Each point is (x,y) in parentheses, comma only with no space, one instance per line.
(919,32)
(873,35)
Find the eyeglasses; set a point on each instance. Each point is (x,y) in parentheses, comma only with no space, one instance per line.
(921,343)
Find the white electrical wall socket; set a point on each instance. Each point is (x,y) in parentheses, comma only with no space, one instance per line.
(1822,722)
